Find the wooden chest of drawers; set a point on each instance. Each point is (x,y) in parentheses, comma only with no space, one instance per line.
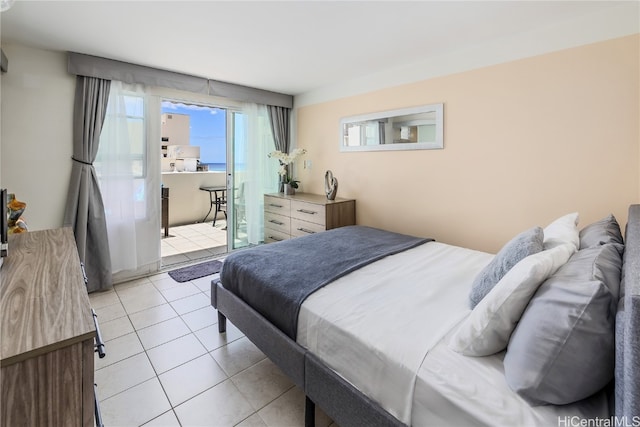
(304,213)
(47,333)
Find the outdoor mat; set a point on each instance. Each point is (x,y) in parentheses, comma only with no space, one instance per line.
(196,271)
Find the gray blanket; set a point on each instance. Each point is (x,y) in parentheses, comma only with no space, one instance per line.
(275,279)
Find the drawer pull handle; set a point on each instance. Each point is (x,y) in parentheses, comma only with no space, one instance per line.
(306,230)
(275,238)
(275,206)
(96,407)
(273,221)
(84,274)
(307,211)
(99,344)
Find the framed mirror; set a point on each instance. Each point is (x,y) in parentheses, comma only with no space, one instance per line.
(416,128)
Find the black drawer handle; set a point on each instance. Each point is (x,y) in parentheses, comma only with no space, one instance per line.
(96,403)
(84,274)
(273,221)
(99,344)
(306,230)
(307,211)
(275,238)
(275,206)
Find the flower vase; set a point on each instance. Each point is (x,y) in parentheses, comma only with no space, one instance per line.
(281,187)
(289,190)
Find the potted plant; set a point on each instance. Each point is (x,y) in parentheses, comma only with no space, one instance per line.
(289,188)
(287,183)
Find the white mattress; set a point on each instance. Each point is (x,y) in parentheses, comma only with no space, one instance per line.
(375,325)
(384,328)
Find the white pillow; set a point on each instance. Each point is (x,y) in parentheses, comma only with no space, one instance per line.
(488,328)
(562,230)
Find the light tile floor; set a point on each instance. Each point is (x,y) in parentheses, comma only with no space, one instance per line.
(191,242)
(167,365)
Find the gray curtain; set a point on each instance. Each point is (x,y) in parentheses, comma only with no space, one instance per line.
(85,209)
(279,119)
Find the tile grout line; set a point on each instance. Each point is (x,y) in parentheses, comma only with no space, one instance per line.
(233,378)
(145,350)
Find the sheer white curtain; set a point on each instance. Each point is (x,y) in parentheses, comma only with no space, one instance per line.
(260,173)
(128,169)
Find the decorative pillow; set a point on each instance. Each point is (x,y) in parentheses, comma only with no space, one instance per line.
(521,246)
(488,328)
(563,348)
(607,230)
(562,230)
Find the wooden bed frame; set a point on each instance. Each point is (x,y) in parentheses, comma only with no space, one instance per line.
(347,406)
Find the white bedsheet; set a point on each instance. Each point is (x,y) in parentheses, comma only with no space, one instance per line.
(375,326)
(456,390)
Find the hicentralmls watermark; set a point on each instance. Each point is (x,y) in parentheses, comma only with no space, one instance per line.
(575,421)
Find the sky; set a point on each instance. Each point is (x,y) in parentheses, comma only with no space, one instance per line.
(207,129)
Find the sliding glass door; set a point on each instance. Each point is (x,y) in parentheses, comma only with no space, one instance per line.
(250,174)
(236,182)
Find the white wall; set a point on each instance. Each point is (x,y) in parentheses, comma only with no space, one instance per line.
(36,110)
(175,127)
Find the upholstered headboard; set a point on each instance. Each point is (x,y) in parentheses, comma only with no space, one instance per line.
(627,375)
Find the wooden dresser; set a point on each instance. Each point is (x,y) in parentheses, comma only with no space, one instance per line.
(304,213)
(47,331)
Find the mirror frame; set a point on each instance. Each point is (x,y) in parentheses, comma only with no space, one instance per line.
(439,122)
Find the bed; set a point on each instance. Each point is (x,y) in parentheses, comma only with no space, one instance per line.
(390,339)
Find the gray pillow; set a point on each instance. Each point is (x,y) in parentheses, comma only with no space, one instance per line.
(607,230)
(563,348)
(527,243)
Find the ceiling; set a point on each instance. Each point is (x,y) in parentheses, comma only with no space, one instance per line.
(291,47)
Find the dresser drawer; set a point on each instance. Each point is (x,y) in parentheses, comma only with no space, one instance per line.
(308,212)
(302,228)
(277,205)
(277,222)
(271,235)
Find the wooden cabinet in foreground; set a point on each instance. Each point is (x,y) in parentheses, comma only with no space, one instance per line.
(304,213)
(48,332)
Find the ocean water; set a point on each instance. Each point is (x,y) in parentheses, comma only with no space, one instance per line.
(220,167)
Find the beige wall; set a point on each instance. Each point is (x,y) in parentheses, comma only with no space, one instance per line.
(525,142)
(37,111)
